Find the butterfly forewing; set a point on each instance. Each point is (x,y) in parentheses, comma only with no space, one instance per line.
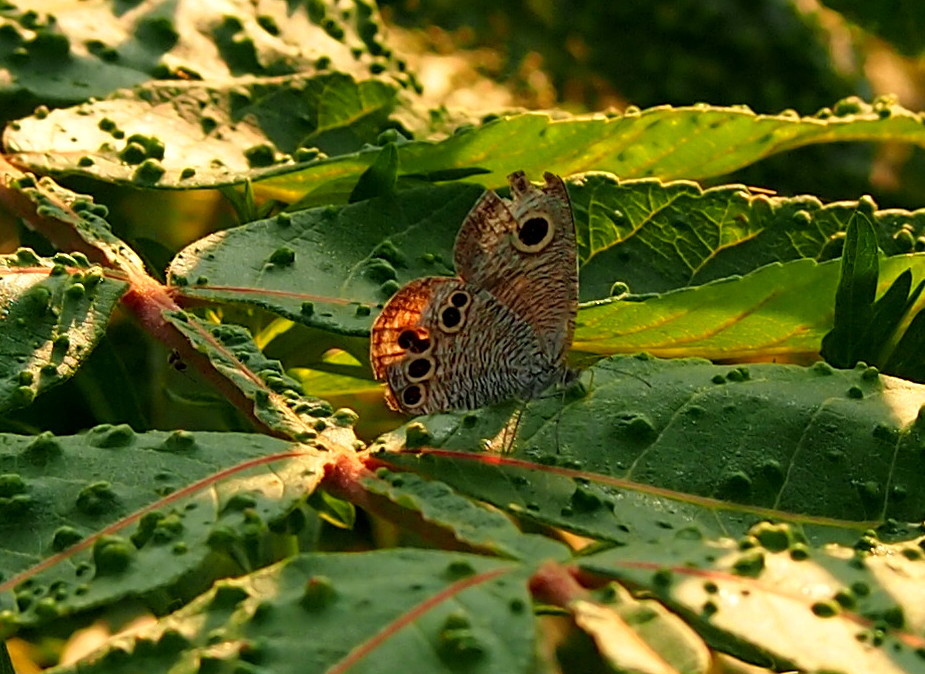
(523,252)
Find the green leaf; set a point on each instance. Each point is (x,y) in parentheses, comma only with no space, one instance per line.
(192,134)
(371,612)
(380,179)
(54,312)
(327,267)
(658,236)
(96,48)
(779,311)
(640,634)
(693,142)
(643,447)
(72,221)
(277,400)
(91,519)
(469,523)
(907,359)
(859,608)
(854,298)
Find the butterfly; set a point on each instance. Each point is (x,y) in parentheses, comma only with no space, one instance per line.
(503,326)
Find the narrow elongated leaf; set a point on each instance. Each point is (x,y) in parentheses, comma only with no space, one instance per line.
(277,400)
(662,142)
(90,519)
(854,298)
(384,611)
(780,604)
(645,446)
(52,312)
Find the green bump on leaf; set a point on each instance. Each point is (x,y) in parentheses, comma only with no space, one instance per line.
(133,153)
(417,435)
(459,569)
(228,596)
(773,537)
(96,498)
(319,594)
(282,256)
(11,484)
(750,563)
(64,537)
(150,171)
(260,155)
(345,417)
(180,442)
(111,436)
(112,555)
(158,32)
(826,609)
(585,500)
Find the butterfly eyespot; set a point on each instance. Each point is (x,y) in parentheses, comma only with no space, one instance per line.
(459,299)
(419,368)
(410,341)
(413,396)
(451,319)
(534,234)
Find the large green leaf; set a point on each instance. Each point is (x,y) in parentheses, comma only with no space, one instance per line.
(88,520)
(328,267)
(95,47)
(53,312)
(385,611)
(643,446)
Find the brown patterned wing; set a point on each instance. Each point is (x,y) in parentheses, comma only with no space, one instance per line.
(443,344)
(523,252)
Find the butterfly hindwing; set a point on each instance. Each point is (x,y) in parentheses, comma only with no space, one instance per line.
(441,344)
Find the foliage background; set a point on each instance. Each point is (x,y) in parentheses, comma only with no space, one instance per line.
(460,64)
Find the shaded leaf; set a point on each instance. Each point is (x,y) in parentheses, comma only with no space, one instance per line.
(91,519)
(277,399)
(54,311)
(469,523)
(658,236)
(327,267)
(854,297)
(435,609)
(379,180)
